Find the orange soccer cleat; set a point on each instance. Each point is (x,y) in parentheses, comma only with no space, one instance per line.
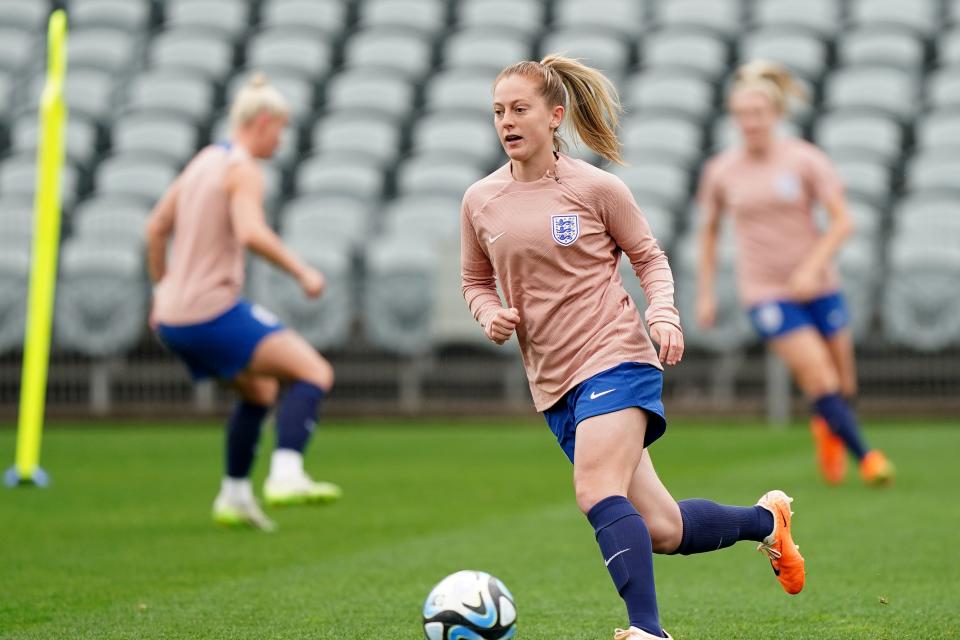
(831,452)
(779,547)
(876,470)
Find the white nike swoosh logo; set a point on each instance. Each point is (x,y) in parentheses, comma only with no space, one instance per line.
(595,395)
(492,239)
(610,559)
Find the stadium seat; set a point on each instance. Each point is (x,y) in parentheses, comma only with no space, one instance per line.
(461,92)
(101,307)
(859,268)
(885,46)
(166,135)
(870,135)
(625,17)
(426,16)
(732,330)
(685,50)
(472,137)
(599,48)
(803,53)
(656,183)
(298,91)
(820,17)
(14,280)
(340,175)
(18,179)
(191,50)
(29,15)
(230,18)
(357,133)
(110,229)
(433,218)
(88,92)
(134,175)
(326,17)
(397,301)
(932,172)
(129,15)
(180,93)
(886,89)
(486,48)
(80,138)
(943,88)
(6,102)
(669,93)
(922,16)
(18,47)
(525,17)
(336,221)
(325,322)
(437,174)
(370,90)
(391,49)
(662,138)
(16,221)
(116,205)
(724,17)
(292,51)
(865,179)
(921,303)
(927,220)
(948,48)
(867,219)
(939,131)
(111,50)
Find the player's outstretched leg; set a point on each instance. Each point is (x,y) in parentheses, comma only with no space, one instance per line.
(830,450)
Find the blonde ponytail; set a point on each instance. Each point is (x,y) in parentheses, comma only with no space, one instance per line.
(255,97)
(772,79)
(590,98)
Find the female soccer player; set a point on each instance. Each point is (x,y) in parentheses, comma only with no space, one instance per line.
(214,210)
(785,268)
(552,230)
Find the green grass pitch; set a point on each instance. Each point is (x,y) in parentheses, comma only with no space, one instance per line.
(121,546)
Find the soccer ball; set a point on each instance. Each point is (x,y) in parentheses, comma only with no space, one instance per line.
(469,605)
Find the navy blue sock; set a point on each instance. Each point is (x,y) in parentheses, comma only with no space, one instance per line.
(297,416)
(708,526)
(838,415)
(243,432)
(628,554)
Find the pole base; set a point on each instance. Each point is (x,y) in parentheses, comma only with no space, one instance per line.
(12,478)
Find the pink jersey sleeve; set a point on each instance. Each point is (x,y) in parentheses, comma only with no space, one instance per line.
(822,178)
(478,281)
(629,228)
(709,193)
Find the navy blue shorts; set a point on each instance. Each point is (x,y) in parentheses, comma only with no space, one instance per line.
(222,347)
(631,384)
(827,314)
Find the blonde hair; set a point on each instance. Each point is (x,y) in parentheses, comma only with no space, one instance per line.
(255,97)
(773,80)
(590,98)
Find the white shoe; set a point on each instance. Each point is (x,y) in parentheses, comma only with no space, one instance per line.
(300,489)
(636,634)
(232,512)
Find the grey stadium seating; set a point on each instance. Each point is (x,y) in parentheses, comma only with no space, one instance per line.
(525,17)
(426,16)
(921,304)
(354,176)
(332,221)
(17,47)
(687,50)
(802,53)
(370,90)
(165,135)
(881,88)
(821,17)
(724,17)
(469,136)
(357,133)
(943,89)
(485,48)
(437,174)
(134,175)
(182,93)
(888,46)
(230,18)
(596,47)
(461,92)
(23,14)
(291,51)
(398,50)
(129,15)
(625,17)
(80,137)
(14,279)
(325,17)
(18,175)
(670,93)
(191,49)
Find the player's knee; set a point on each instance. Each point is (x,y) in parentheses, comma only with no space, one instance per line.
(589,490)
(261,392)
(321,375)
(666,531)
(820,379)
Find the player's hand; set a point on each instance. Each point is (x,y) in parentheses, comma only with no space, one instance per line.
(706,310)
(312,282)
(501,324)
(804,284)
(670,340)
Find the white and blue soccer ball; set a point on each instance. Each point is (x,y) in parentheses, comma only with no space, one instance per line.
(470,605)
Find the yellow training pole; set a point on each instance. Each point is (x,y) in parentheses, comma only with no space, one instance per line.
(43,264)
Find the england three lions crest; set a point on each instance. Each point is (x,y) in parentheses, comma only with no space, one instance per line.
(566,228)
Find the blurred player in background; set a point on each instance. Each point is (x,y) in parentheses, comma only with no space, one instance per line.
(214,211)
(552,229)
(785,269)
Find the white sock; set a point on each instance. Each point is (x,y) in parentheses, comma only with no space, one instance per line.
(286,463)
(237,489)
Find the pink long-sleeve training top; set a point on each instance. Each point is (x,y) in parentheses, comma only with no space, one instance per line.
(771,200)
(555,245)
